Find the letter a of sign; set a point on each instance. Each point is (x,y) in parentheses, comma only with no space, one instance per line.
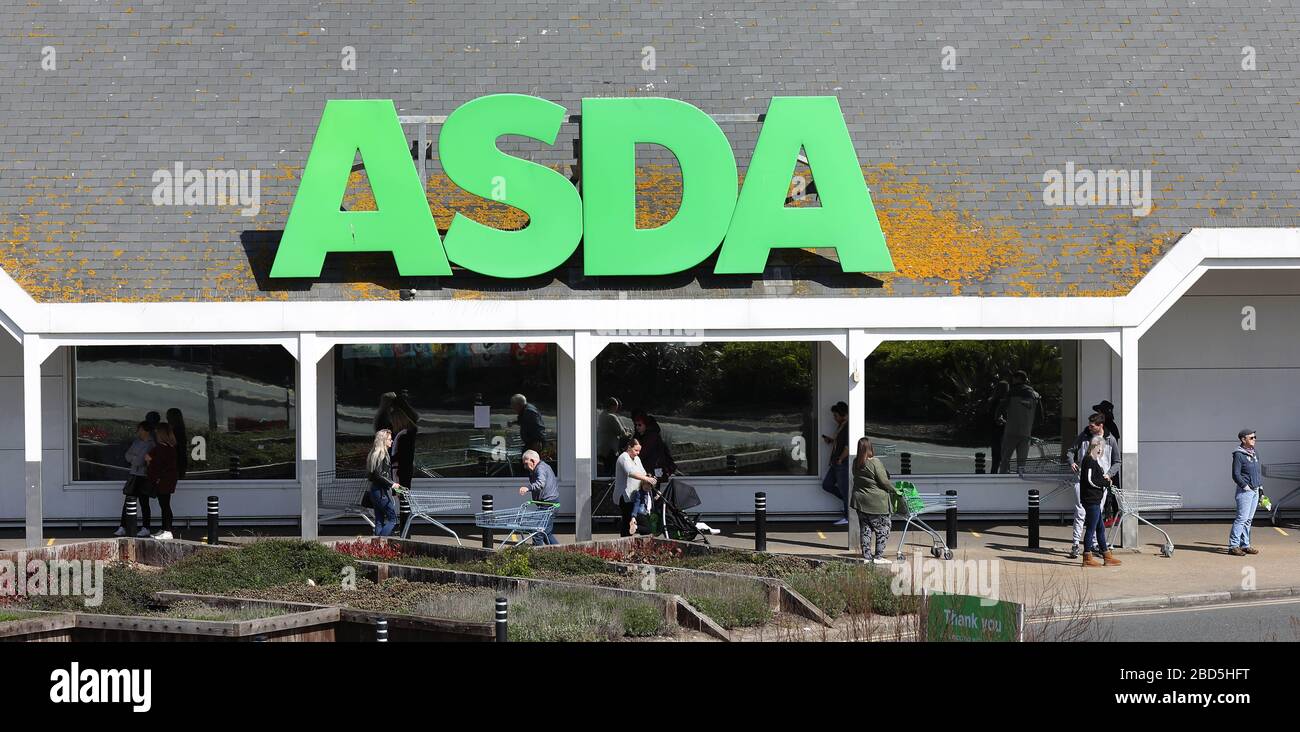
(403,224)
(846,220)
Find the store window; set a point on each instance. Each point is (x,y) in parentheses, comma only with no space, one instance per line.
(951,407)
(462,395)
(723,408)
(236,402)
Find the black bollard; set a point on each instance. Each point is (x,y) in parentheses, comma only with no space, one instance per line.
(214,515)
(381,630)
(234,466)
(487,533)
(979,464)
(1034,500)
(403,512)
(132,512)
(760,522)
(951,519)
(905,459)
(503,613)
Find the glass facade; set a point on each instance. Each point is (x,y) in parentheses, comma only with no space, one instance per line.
(461,393)
(945,403)
(237,404)
(724,408)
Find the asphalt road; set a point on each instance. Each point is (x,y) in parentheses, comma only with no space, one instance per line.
(1252,621)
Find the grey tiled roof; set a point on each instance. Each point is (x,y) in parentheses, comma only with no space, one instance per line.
(955,158)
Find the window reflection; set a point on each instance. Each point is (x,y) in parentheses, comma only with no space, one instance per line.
(723,408)
(236,402)
(462,396)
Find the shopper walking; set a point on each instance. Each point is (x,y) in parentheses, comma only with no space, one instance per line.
(629,476)
(873,498)
(379,467)
(1093,484)
(137,483)
(163,473)
(1250,483)
(542,486)
(836,480)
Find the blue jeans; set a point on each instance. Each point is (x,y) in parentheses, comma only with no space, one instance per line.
(542,538)
(385,512)
(1094,527)
(1247,502)
(836,483)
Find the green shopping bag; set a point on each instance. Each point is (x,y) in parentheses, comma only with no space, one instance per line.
(907,499)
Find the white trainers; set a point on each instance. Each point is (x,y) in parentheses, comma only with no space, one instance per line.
(121,531)
(143,534)
(841,522)
(163,535)
(882,560)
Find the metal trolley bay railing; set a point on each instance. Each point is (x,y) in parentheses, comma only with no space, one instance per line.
(1282,471)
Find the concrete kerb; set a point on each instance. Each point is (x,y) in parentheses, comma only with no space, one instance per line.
(1157,602)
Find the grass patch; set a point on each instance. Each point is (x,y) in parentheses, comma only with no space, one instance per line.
(197,610)
(9,616)
(732,603)
(855,589)
(265,563)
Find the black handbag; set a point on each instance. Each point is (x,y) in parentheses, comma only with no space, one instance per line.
(366,502)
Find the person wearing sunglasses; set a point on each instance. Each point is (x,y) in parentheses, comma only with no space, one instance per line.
(1246,474)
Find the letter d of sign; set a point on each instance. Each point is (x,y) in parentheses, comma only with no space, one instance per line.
(403,223)
(846,220)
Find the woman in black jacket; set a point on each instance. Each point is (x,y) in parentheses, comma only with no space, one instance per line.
(378,469)
(1093,484)
(403,420)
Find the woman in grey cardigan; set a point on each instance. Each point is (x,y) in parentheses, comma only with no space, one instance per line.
(873,498)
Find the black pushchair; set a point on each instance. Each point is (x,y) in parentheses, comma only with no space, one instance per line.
(672,499)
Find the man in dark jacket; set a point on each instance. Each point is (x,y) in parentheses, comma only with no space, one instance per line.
(532,429)
(1109,464)
(1247,475)
(543,486)
(1022,410)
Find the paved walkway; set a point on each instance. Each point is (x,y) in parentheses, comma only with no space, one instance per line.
(1200,565)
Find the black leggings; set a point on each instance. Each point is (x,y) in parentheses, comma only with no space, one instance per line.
(625,508)
(165,504)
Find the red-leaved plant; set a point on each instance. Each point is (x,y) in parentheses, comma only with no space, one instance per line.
(369,549)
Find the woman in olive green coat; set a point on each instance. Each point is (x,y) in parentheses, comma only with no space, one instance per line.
(872,498)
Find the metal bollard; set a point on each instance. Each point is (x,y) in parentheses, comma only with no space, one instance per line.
(951,519)
(214,515)
(906,459)
(1034,500)
(132,512)
(403,512)
(234,466)
(760,521)
(487,533)
(381,630)
(979,464)
(503,616)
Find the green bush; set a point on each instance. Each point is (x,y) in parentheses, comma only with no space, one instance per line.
(568,563)
(261,564)
(837,588)
(512,562)
(643,620)
(127,591)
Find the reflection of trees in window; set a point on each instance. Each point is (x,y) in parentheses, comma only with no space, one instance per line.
(750,401)
(930,394)
(237,403)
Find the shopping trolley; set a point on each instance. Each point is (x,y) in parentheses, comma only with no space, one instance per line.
(528,520)
(1050,470)
(912,509)
(340,493)
(1133,503)
(425,503)
(1282,471)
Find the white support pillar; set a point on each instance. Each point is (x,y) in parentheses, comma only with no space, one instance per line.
(1128,428)
(581,365)
(860,345)
(34,353)
(310,349)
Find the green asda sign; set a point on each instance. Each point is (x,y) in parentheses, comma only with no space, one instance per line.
(603,218)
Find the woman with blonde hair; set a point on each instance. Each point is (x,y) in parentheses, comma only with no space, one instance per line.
(379,467)
(1093,484)
(873,498)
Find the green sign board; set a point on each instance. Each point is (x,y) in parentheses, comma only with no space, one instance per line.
(748,221)
(971,618)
